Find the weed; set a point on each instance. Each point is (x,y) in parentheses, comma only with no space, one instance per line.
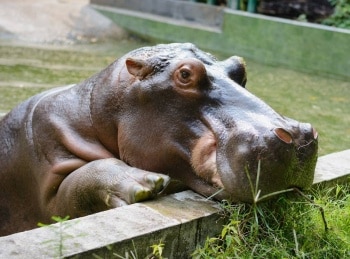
(285,227)
(59,231)
(157,252)
(127,255)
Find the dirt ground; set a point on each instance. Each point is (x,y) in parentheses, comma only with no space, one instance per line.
(54,22)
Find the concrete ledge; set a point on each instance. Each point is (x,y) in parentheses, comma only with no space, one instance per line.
(333,168)
(181,221)
(301,46)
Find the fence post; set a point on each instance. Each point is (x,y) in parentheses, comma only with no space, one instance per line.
(252,6)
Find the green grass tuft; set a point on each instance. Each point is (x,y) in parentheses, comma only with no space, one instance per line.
(285,227)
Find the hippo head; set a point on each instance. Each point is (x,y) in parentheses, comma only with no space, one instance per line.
(184,113)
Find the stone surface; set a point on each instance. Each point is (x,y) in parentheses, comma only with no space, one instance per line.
(335,166)
(181,221)
(54,21)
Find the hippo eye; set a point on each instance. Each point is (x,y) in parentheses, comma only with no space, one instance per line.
(185,75)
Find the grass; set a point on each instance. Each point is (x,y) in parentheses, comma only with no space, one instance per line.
(287,226)
(57,244)
(25,71)
(291,225)
(322,101)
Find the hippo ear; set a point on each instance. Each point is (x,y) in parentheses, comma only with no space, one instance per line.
(138,68)
(236,69)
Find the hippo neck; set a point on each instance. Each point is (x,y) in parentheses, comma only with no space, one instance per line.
(104,108)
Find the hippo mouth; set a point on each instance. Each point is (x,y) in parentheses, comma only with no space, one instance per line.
(204,163)
(204,160)
(231,167)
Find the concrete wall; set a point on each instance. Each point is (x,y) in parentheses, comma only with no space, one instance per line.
(301,46)
(200,13)
(180,221)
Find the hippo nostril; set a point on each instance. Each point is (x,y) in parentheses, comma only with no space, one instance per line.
(283,135)
(315,133)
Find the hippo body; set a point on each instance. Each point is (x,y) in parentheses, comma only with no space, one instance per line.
(158,112)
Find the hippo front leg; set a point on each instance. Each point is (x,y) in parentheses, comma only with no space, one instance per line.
(105,184)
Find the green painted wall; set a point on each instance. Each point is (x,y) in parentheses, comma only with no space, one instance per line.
(161,29)
(301,46)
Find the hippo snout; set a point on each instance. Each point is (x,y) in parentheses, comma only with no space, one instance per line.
(304,136)
(287,158)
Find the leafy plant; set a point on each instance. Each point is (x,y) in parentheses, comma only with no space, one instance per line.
(341,16)
(157,251)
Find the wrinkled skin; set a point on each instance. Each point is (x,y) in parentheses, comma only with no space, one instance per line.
(114,139)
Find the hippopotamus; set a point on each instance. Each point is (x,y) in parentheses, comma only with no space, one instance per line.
(170,111)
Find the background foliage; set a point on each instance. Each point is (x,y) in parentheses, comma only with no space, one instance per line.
(341,15)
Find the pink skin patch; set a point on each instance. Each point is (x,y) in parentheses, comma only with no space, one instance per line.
(204,159)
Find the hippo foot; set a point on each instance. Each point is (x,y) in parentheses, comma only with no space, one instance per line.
(104,184)
(147,187)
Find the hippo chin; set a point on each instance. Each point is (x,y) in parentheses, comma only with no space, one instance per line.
(158,112)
